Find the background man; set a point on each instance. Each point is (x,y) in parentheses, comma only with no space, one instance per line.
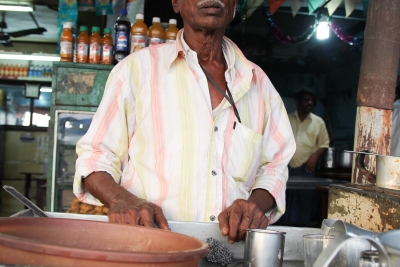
(310,133)
(188,131)
(312,141)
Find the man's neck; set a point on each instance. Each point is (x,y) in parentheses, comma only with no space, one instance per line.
(302,116)
(207,45)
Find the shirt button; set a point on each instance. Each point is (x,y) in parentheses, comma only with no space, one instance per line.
(214,173)
(216,129)
(212,218)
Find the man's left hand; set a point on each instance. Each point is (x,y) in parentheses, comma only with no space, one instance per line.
(238,217)
(311,163)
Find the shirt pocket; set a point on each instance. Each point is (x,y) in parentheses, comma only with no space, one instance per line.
(309,139)
(243,154)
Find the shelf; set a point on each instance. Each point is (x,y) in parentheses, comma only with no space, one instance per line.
(30,79)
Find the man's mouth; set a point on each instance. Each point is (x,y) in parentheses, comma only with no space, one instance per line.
(210,4)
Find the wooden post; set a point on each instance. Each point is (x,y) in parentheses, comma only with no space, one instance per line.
(376,89)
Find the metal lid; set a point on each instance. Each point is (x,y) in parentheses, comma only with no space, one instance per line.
(370,255)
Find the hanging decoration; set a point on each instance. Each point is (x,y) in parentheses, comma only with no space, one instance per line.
(313,5)
(296,5)
(280,36)
(350,5)
(274,5)
(351,40)
(332,6)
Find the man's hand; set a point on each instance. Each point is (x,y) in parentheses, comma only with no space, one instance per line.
(238,217)
(137,211)
(124,207)
(311,163)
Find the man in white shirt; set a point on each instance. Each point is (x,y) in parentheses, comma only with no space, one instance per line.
(188,131)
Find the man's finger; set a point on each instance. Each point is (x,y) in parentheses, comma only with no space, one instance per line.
(235,217)
(223,219)
(160,220)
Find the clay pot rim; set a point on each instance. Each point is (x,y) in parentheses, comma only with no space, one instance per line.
(92,254)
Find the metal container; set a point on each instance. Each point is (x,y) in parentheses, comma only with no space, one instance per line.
(369,258)
(344,160)
(329,159)
(390,240)
(264,248)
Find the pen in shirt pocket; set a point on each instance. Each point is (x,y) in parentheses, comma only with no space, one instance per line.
(234,125)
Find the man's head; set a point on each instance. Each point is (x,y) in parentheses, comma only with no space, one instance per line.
(305,100)
(206,14)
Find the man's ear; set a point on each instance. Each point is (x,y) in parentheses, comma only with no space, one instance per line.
(175,5)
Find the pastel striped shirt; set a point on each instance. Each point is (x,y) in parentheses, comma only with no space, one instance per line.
(155,134)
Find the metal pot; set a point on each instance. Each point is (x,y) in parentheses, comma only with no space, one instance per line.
(69,242)
(344,160)
(329,158)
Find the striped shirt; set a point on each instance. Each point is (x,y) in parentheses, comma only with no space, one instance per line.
(155,134)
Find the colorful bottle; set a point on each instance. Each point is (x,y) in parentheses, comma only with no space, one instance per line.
(156,32)
(138,34)
(95,46)
(66,43)
(107,47)
(122,29)
(82,45)
(171,31)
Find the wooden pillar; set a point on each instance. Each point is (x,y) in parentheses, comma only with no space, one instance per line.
(376,88)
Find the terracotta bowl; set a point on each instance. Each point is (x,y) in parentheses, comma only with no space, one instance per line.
(69,242)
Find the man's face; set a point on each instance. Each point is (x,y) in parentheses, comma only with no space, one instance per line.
(205,14)
(306,103)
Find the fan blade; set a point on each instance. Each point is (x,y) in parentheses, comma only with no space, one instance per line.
(27,32)
(8,44)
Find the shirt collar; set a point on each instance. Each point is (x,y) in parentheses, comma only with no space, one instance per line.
(307,117)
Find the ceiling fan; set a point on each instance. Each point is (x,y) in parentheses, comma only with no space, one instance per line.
(5,36)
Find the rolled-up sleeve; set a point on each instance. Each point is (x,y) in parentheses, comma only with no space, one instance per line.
(105,145)
(277,149)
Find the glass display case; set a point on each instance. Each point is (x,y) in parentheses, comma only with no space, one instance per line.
(69,127)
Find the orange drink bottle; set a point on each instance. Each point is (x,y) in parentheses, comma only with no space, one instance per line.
(138,34)
(156,32)
(95,46)
(171,31)
(66,43)
(82,45)
(107,48)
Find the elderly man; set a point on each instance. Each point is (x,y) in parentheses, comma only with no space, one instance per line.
(189,131)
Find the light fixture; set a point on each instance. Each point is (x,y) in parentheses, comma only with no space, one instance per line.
(16,8)
(323,28)
(37,56)
(46,89)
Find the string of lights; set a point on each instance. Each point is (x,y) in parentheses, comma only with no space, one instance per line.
(322,27)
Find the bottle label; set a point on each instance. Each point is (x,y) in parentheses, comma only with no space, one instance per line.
(107,55)
(65,49)
(137,42)
(122,41)
(155,41)
(170,40)
(94,54)
(82,54)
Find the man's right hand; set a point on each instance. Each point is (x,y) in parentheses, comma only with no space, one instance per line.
(124,207)
(137,211)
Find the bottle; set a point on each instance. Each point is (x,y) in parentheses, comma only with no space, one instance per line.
(122,29)
(95,46)
(82,45)
(107,48)
(156,32)
(66,43)
(138,34)
(171,31)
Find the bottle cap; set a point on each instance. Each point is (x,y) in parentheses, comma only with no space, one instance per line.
(123,12)
(107,30)
(95,29)
(156,19)
(172,21)
(139,16)
(83,29)
(67,25)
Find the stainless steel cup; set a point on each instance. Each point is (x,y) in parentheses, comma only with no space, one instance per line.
(264,248)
